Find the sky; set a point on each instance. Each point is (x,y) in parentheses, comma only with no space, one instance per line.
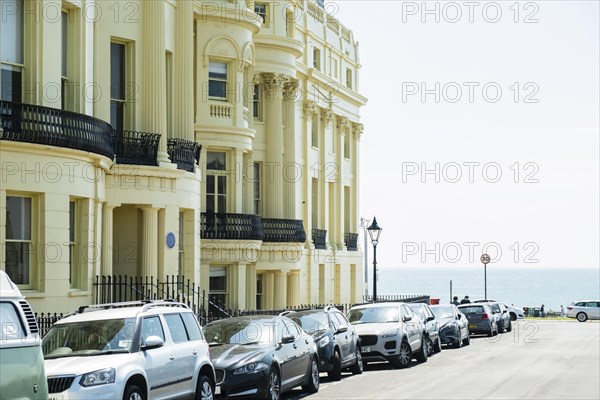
(481,130)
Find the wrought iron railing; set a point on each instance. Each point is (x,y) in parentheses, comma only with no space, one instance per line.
(405,298)
(139,148)
(318,238)
(283,230)
(351,241)
(230,226)
(184,153)
(53,127)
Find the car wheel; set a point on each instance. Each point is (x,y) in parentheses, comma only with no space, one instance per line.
(336,372)
(313,380)
(358,367)
(429,347)
(437,347)
(501,328)
(273,385)
(205,389)
(458,344)
(496,331)
(582,317)
(424,350)
(509,329)
(133,392)
(513,316)
(403,359)
(466,341)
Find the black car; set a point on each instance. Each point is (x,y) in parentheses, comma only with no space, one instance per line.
(258,357)
(337,341)
(454,328)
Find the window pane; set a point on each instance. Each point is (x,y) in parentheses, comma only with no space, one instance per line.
(17,262)
(218,283)
(116,115)
(10,85)
(11,31)
(117,71)
(210,204)
(222,188)
(71,221)
(176,328)
(18,218)
(191,325)
(210,184)
(217,70)
(181,230)
(65,18)
(217,89)
(222,206)
(215,160)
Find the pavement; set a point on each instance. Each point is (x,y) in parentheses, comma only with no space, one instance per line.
(537,360)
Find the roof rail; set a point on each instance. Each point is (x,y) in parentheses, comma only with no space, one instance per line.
(164,303)
(286,312)
(146,304)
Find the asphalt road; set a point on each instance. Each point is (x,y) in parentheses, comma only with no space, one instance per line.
(537,360)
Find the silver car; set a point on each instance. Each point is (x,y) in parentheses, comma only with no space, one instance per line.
(584,310)
(432,326)
(389,332)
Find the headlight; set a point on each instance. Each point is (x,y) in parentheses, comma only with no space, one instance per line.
(100,377)
(250,368)
(324,342)
(390,333)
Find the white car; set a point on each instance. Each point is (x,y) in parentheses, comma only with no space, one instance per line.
(130,351)
(584,310)
(515,312)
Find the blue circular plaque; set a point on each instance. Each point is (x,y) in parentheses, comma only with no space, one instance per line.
(170,240)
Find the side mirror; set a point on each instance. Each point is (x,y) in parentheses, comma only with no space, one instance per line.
(406,318)
(341,329)
(504,312)
(430,319)
(288,339)
(458,316)
(153,342)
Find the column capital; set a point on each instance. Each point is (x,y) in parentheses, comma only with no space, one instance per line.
(310,108)
(343,123)
(274,82)
(290,90)
(326,116)
(358,129)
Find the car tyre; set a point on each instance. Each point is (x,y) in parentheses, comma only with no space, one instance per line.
(273,385)
(313,380)
(509,329)
(205,389)
(403,359)
(424,350)
(133,392)
(429,347)
(336,372)
(466,341)
(513,316)
(582,317)
(501,328)
(437,347)
(358,366)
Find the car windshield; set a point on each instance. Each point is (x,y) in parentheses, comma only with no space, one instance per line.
(373,315)
(312,323)
(472,310)
(89,338)
(442,312)
(244,331)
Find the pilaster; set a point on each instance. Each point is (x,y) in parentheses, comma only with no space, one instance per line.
(183,59)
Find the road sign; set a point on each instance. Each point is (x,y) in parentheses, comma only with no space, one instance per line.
(485,258)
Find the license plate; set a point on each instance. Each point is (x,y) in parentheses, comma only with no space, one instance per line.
(472,326)
(365,349)
(217,390)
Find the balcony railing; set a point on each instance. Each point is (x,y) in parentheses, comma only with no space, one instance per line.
(318,238)
(184,153)
(351,241)
(283,230)
(50,126)
(230,226)
(139,148)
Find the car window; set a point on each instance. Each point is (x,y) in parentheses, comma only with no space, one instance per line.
(191,326)
(311,322)
(369,315)
(418,310)
(12,327)
(341,319)
(176,328)
(593,304)
(581,304)
(293,329)
(335,323)
(407,311)
(151,326)
(472,310)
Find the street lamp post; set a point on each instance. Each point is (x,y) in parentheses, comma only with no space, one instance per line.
(374,232)
(364,223)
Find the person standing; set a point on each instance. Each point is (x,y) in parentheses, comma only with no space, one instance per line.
(562,311)
(455,301)
(465,300)
(542,311)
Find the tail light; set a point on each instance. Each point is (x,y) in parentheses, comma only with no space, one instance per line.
(485,316)
(569,308)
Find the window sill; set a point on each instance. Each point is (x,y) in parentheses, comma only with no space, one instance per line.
(314,148)
(32,293)
(78,293)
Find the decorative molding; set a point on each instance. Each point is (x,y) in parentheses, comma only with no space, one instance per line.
(343,123)
(274,82)
(326,116)
(358,129)
(310,108)
(290,91)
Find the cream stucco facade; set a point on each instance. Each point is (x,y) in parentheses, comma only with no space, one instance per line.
(104,106)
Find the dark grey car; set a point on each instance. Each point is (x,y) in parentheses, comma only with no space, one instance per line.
(454,326)
(481,318)
(432,326)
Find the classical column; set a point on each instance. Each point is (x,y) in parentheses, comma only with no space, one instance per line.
(291,171)
(149,241)
(153,93)
(240,286)
(280,290)
(251,286)
(107,239)
(272,169)
(343,127)
(183,60)
(268,290)
(324,176)
(357,131)
(308,110)
(293,293)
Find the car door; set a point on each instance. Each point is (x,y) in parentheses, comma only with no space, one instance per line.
(159,360)
(412,328)
(594,309)
(185,354)
(347,339)
(300,360)
(286,354)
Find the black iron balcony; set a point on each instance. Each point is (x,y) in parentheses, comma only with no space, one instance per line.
(283,230)
(53,127)
(318,238)
(184,153)
(351,241)
(139,148)
(230,226)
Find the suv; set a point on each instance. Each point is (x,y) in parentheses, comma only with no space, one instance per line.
(21,360)
(134,351)
(389,332)
(432,326)
(336,339)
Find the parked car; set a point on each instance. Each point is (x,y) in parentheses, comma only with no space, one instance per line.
(389,332)
(584,310)
(22,374)
(132,351)
(432,326)
(454,326)
(258,357)
(514,312)
(481,318)
(336,339)
(502,315)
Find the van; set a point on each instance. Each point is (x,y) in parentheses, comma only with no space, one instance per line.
(21,358)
